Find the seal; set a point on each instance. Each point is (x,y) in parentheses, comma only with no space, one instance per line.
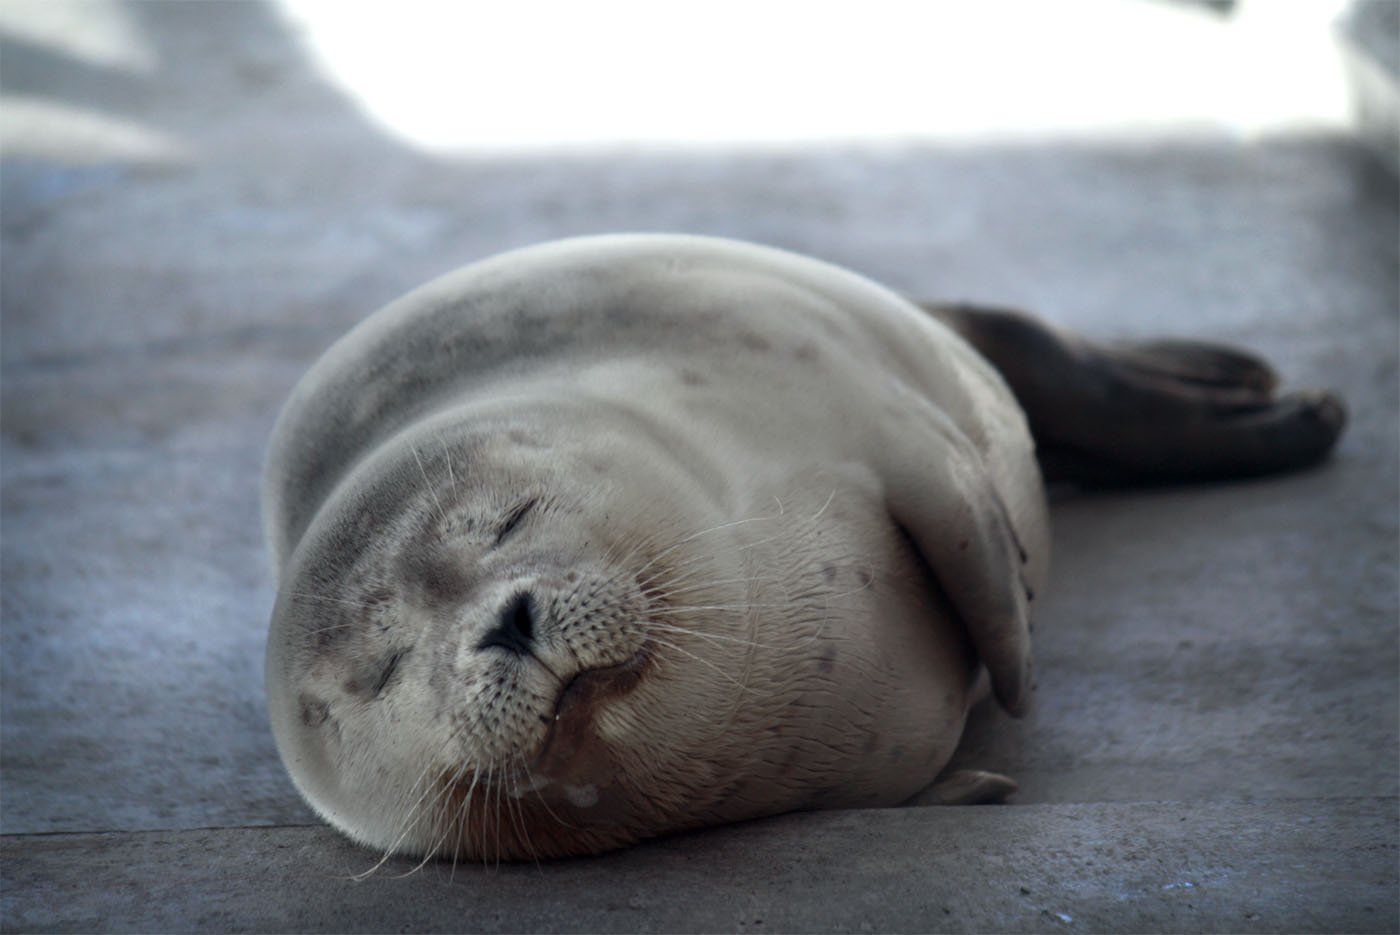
(617,536)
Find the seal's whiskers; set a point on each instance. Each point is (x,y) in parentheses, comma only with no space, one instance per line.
(428,484)
(703,661)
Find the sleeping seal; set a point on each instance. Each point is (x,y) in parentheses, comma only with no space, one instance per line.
(621,535)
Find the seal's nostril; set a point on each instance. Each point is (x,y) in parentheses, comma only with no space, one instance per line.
(522,620)
(515,630)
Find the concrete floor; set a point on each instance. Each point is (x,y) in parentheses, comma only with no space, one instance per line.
(1217,740)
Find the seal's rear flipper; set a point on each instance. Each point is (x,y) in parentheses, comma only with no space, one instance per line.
(967,787)
(1149,412)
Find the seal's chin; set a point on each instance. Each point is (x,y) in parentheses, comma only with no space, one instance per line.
(573,731)
(572,799)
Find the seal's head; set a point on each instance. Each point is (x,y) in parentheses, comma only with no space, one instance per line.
(476,647)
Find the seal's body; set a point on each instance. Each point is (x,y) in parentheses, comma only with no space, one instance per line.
(616,536)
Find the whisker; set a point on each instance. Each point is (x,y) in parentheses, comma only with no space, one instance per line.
(704,532)
(306,595)
(410,817)
(416,806)
(497,788)
(744,605)
(816,516)
(717,637)
(428,484)
(710,584)
(330,628)
(464,814)
(447,457)
(511,805)
(700,659)
(543,802)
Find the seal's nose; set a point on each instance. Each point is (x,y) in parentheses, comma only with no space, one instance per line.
(515,628)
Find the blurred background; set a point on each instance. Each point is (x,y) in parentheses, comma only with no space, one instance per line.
(469,78)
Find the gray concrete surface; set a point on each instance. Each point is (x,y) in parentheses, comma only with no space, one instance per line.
(1032,868)
(1217,741)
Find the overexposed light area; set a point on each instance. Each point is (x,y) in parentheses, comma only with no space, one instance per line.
(36,128)
(95,33)
(98,32)
(469,75)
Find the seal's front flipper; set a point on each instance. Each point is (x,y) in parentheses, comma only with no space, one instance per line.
(1148,412)
(941,494)
(967,787)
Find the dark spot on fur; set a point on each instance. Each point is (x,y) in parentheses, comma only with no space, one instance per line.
(829,573)
(524,439)
(314,711)
(376,597)
(865,578)
(693,378)
(442,580)
(346,540)
(755,342)
(826,661)
(806,353)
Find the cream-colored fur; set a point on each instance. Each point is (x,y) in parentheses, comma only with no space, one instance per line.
(781,515)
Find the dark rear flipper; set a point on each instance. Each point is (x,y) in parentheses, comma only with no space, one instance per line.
(1150,412)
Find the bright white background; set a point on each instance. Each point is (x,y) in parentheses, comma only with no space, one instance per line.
(474,76)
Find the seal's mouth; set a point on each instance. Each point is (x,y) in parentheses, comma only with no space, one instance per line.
(579,701)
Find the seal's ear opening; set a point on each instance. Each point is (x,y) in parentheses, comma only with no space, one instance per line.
(1149,412)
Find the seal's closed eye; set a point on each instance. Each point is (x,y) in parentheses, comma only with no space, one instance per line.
(512,521)
(390,665)
(374,674)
